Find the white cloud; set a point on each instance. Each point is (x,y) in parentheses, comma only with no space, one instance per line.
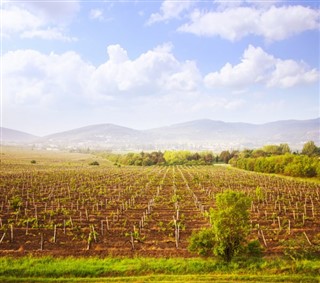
(170,10)
(273,23)
(16,20)
(152,72)
(64,88)
(46,20)
(259,67)
(48,34)
(222,4)
(98,14)
(31,77)
(56,12)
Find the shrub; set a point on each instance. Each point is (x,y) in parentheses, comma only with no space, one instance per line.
(202,242)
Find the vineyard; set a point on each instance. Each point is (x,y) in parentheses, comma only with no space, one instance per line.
(78,209)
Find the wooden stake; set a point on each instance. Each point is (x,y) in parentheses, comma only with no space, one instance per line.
(263,238)
(4,234)
(11,233)
(305,234)
(41,241)
(54,233)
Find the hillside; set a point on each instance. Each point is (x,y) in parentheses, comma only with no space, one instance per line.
(194,135)
(9,136)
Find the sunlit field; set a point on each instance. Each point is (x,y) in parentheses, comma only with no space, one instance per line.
(59,204)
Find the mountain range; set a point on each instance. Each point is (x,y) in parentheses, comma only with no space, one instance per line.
(194,135)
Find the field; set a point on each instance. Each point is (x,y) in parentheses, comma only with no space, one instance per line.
(56,204)
(67,207)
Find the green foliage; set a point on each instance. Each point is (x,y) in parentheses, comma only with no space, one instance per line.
(287,164)
(231,223)
(254,249)
(16,202)
(94,163)
(230,227)
(310,149)
(202,242)
(260,195)
(170,157)
(297,248)
(176,157)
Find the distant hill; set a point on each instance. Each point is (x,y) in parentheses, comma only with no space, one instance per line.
(194,135)
(96,136)
(234,135)
(9,136)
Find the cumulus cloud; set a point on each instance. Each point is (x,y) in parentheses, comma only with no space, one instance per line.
(30,77)
(151,73)
(46,20)
(234,23)
(259,67)
(33,77)
(170,10)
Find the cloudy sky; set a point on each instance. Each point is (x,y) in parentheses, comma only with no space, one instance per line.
(144,64)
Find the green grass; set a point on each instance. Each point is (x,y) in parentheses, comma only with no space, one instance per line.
(48,269)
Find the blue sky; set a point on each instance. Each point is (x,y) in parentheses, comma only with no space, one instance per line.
(145,64)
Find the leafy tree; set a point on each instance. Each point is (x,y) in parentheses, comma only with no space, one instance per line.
(271,149)
(230,227)
(310,149)
(231,223)
(225,156)
(208,158)
(176,157)
(284,148)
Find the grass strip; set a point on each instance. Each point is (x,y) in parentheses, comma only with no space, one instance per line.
(49,269)
(222,278)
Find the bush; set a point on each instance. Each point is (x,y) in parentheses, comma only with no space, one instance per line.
(95,163)
(254,249)
(298,248)
(202,242)
(33,161)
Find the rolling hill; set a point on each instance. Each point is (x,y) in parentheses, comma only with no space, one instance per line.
(9,136)
(194,135)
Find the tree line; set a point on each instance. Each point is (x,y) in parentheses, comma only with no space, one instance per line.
(279,160)
(169,157)
(268,159)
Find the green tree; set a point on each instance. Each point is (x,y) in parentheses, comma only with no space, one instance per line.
(310,149)
(225,156)
(231,224)
(284,148)
(230,227)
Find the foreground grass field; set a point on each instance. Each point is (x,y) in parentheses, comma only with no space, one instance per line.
(48,269)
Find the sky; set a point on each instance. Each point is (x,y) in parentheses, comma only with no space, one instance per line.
(147,64)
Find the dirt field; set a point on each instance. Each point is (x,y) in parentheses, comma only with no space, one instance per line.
(60,205)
